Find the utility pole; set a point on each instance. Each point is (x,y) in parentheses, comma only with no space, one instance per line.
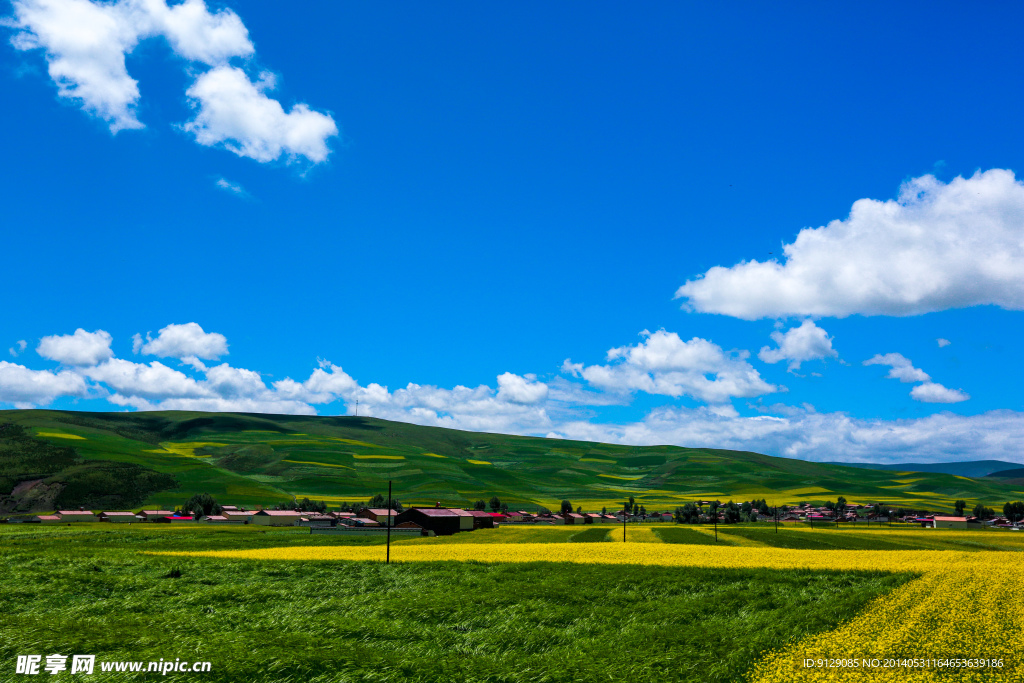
(714,509)
(624,525)
(357,407)
(776,519)
(390,521)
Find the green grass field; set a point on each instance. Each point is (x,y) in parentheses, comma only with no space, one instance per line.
(92,589)
(265,459)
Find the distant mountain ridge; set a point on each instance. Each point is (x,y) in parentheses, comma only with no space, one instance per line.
(966,468)
(260,459)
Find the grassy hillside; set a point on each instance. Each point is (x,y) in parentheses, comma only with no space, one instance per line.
(968,468)
(265,459)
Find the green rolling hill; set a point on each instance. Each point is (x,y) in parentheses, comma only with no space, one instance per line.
(161,458)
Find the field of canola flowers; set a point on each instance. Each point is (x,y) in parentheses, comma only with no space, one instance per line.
(964,605)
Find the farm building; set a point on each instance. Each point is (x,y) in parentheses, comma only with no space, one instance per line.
(238,515)
(116,517)
(317,520)
(382,516)
(481,519)
(76,516)
(950,523)
(573,518)
(45,519)
(467,519)
(276,517)
(442,521)
(360,522)
(152,515)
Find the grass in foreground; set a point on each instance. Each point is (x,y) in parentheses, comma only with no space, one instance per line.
(90,591)
(316,622)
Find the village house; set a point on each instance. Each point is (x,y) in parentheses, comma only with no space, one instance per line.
(467,520)
(441,521)
(359,522)
(276,517)
(573,518)
(118,517)
(481,519)
(383,516)
(76,516)
(237,515)
(44,519)
(317,520)
(152,515)
(950,523)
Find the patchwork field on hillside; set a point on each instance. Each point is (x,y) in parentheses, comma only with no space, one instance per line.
(265,459)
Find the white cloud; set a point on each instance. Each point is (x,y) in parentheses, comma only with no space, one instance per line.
(900,367)
(942,437)
(19,347)
(327,383)
(665,364)
(233,188)
(943,342)
(227,382)
(930,392)
(184,342)
(938,246)
(235,113)
(153,381)
(193,31)
(27,388)
(526,390)
(80,348)
(798,345)
(86,43)
(216,404)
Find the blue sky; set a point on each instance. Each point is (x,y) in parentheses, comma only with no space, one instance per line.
(586,220)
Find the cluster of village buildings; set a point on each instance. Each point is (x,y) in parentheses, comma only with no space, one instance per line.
(428,521)
(442,521)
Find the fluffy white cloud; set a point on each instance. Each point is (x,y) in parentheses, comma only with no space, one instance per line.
(227,382)
(930,392)
(192,30)
(80,348)
(187,341)
(938,246)
(900,367)
(942,342)
(86,42)
(27,388)
(475,409)
(665,364)
(516,389)
(327,383)
(217,404)
(798,345)
(997,435)
(236,113)
(85,45)
(153,381)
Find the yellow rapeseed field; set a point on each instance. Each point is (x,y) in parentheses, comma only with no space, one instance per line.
(965,606)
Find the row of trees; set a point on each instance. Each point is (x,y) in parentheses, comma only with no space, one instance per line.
(731,513)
